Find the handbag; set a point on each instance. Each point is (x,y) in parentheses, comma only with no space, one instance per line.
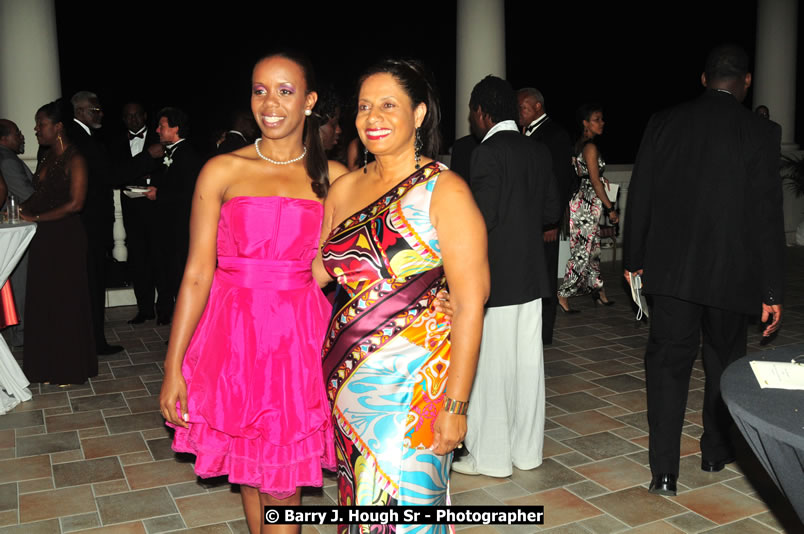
(608,231)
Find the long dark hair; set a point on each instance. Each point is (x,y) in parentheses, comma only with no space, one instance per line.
(315,163)
(418,83)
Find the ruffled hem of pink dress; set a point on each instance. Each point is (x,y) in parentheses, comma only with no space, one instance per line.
(272,469)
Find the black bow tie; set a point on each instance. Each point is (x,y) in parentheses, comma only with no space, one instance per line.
(140,135)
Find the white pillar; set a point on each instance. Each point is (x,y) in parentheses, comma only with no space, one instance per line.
(775,65)
(29,64)
(119,252)
(480,51)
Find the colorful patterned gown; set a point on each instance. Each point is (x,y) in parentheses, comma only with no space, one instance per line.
(386,355)
(583,267)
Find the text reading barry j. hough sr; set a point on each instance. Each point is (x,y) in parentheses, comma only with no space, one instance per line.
(411,515)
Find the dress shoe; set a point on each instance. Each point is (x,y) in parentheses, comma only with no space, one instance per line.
(105,350)
(664,484)
(718,465)
(140,318)
(163,320)
(465,465)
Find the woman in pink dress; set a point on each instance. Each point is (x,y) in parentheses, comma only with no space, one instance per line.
(243,385)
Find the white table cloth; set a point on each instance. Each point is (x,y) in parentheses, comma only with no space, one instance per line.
(14,239)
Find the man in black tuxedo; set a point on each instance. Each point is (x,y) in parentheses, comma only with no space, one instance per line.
(705,230)
(538,126)
(512,181)
(461,155)
(172,192)
(98,213)
(139,214)
(242,131)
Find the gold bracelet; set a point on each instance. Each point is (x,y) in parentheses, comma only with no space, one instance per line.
(455,407)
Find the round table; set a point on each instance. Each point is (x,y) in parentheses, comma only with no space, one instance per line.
(772,421)
(14,239)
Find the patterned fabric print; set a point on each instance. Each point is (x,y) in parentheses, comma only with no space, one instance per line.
(386,356)
(583,267)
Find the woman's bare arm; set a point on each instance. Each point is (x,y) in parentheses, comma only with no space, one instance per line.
(463,241)
(195,285)
(590,155)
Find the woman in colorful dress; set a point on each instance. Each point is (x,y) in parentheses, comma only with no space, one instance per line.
(583,267)
(398,230)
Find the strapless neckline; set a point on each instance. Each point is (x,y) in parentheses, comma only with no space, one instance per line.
(270,197)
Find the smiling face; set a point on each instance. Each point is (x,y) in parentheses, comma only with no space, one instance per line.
(595,123)
(279,97)
(386,119)
(167,134)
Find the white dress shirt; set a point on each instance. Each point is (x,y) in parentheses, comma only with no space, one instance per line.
(501,126)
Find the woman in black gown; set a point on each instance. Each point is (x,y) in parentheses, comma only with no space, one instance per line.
(59,346)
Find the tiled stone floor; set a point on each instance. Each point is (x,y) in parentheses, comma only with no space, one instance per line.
(97,458)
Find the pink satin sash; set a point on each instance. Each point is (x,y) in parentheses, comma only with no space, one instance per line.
(264,274)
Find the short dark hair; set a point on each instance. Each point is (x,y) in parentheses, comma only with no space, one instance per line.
(175,117)
(495,97)
(5,127)
(417,82)
(726,62)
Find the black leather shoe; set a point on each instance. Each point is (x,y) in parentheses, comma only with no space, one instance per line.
(714,467)
(163,320)
(140,318)
(105,350)
(664,484)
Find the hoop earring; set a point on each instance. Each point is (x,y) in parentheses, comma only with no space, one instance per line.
(417,147)
(365,160)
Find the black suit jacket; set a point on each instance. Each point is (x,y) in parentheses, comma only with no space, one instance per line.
(98,212)
(231,142)
(514,187)
(461,157)
(175,185)
(128,172)
(705,206)
(558,143)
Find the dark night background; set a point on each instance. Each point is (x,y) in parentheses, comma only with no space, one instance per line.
(635,59)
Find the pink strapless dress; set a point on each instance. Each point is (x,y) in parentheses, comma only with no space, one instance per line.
(258,411)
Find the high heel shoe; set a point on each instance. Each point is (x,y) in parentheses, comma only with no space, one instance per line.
(597,300)
(567,309)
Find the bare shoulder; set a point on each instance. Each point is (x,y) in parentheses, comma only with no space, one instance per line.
(336,170)
(220,172)
(590,150)
(344,183)
(450,182)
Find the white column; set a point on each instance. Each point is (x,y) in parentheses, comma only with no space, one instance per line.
(119,252)
(775,65)
(29,64)
(480,51)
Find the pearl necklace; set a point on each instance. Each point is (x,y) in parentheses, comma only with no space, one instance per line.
(266,158)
